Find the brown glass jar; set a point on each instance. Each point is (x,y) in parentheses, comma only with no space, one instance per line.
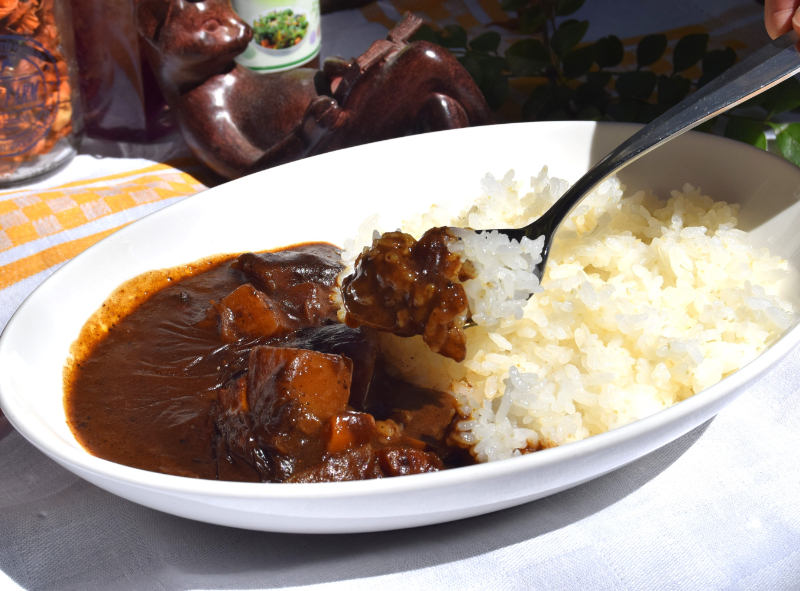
(40,116)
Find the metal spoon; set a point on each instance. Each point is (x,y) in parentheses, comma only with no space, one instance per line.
(761,70)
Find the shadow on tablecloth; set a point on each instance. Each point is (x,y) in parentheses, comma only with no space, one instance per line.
(60,532)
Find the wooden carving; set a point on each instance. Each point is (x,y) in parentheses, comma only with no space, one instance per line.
(238,121)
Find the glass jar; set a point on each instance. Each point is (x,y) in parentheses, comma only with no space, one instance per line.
(40,117)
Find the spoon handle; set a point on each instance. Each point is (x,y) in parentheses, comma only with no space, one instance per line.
(759,71)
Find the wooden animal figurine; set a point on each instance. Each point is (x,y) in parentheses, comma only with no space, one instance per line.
(238,121)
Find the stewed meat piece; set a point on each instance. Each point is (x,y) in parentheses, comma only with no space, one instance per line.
(302,279)
(349,453)
(357,344)
(247,313)
(290,394)
(409,287)
(402,461)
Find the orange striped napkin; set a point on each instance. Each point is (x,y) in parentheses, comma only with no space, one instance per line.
(40,229)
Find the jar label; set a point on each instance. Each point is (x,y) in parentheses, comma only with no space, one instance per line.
(29,94)
(286,33)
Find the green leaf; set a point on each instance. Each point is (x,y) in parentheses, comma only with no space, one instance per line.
(789,142)
(496,93)
(650,49)
(578,62)
(688,51)
(425,33)
(626,110)
(568,35)
(489,41)
(599,79)
(590,113)
(672,89)
(783,97)
(558,115)
(749,132)
(473,66)
(492,67)
(636,85)
(531,20)
(591,95)
(510,5)
(715,63)
(608,51)
(567,7)
(546,100)
(527,57)
(453,36)
(490,78)
(536,101)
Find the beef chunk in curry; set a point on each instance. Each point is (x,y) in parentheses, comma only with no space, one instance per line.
(411,287)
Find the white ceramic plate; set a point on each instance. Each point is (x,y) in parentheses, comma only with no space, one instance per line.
(326,198)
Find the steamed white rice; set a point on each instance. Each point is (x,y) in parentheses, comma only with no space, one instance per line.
(643,304)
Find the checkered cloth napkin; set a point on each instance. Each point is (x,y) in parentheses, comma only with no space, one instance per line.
(42,228)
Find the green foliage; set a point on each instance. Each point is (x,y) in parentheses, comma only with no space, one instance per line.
(746,130)
(531,20)
(788,138)
(586,81)
(688,51)
(636,85)
(650,50)
(781,98)
(608,52)
(453,36)
(672,89)
(568,35)
(527,57)
(715,63)
(578,62)
(487,42)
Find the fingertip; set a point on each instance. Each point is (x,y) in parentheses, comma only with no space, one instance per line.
(781,16)
(796,21)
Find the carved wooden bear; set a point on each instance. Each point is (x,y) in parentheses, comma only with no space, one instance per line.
(238,121)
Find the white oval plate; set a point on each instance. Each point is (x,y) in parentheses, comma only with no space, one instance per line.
(326,198)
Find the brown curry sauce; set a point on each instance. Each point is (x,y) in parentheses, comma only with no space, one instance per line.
(235,368)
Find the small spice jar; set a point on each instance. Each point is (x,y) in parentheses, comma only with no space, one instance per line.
(40,118)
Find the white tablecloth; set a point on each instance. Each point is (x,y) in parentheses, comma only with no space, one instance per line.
(716,509)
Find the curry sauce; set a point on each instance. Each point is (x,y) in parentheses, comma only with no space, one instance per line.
(235,368)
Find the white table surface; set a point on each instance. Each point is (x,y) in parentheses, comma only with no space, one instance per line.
(717,509)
